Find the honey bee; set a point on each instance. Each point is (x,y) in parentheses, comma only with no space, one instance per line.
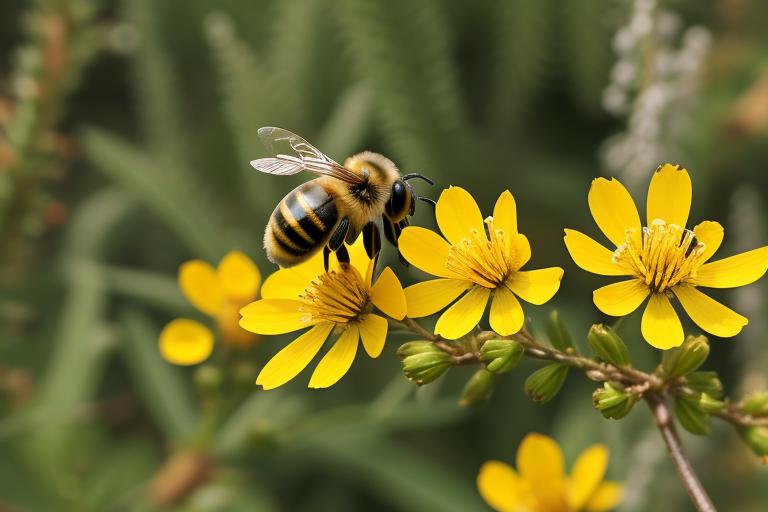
(337,206)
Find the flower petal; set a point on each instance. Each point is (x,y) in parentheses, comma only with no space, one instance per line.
(587,473)
(540,463)
(463,315)
(387,295)
(591,255)
(709,314)
(457,214)
(273,316)
(431,296)
(520,249)
(711,234)
(358,258)
(606,497)
(661,326)
(500,486)
(289,283)
(738,270)
(373,331)
(536,286)
(614,210)
(199,284)
(425,250)
(669,195)
(287,363)
(622,298)
(505,213)
(185,342)
(239,277)
(337,362)
(507,315)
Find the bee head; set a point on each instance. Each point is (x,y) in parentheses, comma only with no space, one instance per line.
(402,199)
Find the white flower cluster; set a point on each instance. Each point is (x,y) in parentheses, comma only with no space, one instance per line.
(653,84)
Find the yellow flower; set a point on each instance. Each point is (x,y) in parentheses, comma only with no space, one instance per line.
(219,293)
(664,259)
(481,258)
(341,299)
(541,485)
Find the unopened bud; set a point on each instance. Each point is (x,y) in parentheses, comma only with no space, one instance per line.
(705,382)
(501,356)
(685,359)
(478,388)
(755,404)
(558,333)
(757,439)
(608,345)
(422,361)
(613,401)
(691,416)
(711,405)
(544,384)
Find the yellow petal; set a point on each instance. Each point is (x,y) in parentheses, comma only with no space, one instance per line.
(463,315)
(273,316)
(500,486)
(185,342)
(199,284)
(358,258)
(661,326)
(505,213)
(373,332)
(388,295)
(430,297)
(506,316)
(669,195)
(738,270)
(540,463)
(709,314)
(614,210)
(337,362)
(536,286)
(587,473)
(607,496)
(238,277)
(289,283)
(592,256)
(457,214)
(711,233)
(622,298)
(287,363)
(520,250)
(425,250)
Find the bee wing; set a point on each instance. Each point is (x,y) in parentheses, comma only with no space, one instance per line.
(294,154)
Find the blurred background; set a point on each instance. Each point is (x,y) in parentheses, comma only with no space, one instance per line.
(126,128)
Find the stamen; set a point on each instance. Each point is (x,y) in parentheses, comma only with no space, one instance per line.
(483,258)
(338,296)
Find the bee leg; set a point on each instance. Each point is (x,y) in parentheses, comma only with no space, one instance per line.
(399,229)
(389,231)
(342,254)
(371,240)
(338,236)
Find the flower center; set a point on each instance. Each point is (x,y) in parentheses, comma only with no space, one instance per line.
(485,260)
(669,254)
(338,296)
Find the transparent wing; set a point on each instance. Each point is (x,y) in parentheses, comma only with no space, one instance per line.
(294,154)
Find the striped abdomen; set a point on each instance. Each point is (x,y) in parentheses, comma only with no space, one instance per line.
(301,224)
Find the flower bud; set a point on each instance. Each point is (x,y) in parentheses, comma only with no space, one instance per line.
(608,345)
(691,416)
(757,439)
(478,388)
(422,361)
(711,405)
(755,404)
(501,356)
(612,401)
(705,382)
(685,359)
(558,333)
(544,384)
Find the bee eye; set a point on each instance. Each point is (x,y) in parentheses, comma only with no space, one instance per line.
(399,201)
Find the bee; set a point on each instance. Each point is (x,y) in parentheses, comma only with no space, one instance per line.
(337,206)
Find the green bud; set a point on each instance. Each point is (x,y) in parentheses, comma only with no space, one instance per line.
(558,333)
(422,361)
(755,404)
(544,384)
(612,401)
(757,439)
(208,378)
(478,388)
(711,405)
(501,356)
(705,382)
(608,345)
(691,416)
(685,359)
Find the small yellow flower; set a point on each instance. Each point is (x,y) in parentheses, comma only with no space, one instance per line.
(341,299)
(663,258)
(541,485)
(219,293)
(481,258)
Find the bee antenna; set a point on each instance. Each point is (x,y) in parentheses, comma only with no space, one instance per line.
(428,201)
(411,175)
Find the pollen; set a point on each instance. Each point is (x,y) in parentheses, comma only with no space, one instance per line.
(486,259)
(669,255)
(339,296)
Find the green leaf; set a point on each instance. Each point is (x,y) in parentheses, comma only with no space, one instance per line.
(152,288)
